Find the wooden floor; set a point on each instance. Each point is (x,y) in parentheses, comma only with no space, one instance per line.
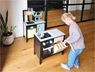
(19,56)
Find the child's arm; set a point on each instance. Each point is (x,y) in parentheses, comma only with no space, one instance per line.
(74,35)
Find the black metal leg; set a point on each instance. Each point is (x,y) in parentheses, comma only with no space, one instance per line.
(34,52)
(40,61)
(23,36)
(52,51)
(26,34)
(26,39)
(40,55)
(34,45)
(62,52)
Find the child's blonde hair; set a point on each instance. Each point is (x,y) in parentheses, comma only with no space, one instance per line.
(68,15)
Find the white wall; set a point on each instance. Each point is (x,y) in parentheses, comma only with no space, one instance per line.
(3,7)
(14,8)
(16,16)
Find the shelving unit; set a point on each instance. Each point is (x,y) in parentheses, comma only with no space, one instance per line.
(35,25)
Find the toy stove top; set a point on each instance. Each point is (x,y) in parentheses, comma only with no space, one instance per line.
(44,35)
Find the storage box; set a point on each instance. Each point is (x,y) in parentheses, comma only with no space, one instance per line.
(61,38)
(30,32)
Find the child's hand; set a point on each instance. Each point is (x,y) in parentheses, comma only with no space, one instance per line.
(66,41)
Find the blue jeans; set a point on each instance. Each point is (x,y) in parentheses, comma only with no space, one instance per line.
(73,58)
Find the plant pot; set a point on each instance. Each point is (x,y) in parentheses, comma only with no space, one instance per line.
(8,40)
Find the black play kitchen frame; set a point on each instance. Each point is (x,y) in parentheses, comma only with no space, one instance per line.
(44,47)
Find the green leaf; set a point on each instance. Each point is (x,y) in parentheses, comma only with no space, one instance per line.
(6,18)
(12,28)
(1,18)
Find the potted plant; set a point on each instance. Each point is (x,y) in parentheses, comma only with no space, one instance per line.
(6,34)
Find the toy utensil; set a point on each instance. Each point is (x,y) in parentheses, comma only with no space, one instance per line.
(72,47)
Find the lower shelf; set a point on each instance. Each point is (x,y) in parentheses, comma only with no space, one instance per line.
(46,53)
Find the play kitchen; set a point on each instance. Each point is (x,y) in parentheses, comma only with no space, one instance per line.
(48,43)
(32,23)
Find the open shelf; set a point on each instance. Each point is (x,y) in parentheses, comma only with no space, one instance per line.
(46,53)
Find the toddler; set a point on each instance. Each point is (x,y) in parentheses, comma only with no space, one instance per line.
(75,39)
